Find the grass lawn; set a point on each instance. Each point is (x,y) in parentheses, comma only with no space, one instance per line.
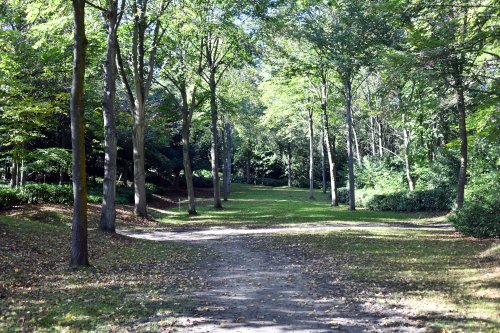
(130,279)
(449,282)
(267,206)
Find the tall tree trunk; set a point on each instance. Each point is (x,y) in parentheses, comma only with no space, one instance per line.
(406,144)
(372,136)
(380,143)
(350,162)
(330,146)
(224,161)
(462,127)
(108,212)
(356,145)
(228,158)
(140,208)
(323,169)
(289,163)
(79,251)
(22,175)
(311,154)
(13,175)
(186,159)
(214,154)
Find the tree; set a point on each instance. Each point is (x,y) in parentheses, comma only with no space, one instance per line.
(142,73)
(450,36)
(108,213)
(79,251)
(349,33)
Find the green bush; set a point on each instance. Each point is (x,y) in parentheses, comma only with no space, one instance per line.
(478,218)
(48,193)
(10,197)
(480,215)
(439,199)
(363,196)
(202,182)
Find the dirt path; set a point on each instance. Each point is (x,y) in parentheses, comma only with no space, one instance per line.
(250,288)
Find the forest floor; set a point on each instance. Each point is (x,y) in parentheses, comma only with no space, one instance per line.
(270,261)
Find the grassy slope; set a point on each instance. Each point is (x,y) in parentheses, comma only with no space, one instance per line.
(129,280)
(264,206)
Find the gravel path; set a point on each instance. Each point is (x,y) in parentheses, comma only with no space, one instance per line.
(251,288)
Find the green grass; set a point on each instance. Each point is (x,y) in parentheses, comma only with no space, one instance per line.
(265,206)
(450,282)
(130,279)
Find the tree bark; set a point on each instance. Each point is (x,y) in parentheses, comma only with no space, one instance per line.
(140,208)
(311,154)
(380,143)
(13,175)
(329,143)
(228,157)
(350,162)
(406,144)
(108,212)
(187,113)
(227,160)
(22,175)
(289,163)
(214,154)
(323,169)
(356,145)
(462,127)
(79,251)
(224,161)
(372,136)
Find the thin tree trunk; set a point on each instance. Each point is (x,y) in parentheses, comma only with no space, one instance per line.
(406,144)
(372,136)
(356,145)
(462,174)
(13,175)
(186,159)
(140,208)
(323,169)
(224,162)
(228,157)
(214,154)
(79,251)
(380,144)
(329,143)
(311,154)
(22,175)
(350,162)
(289,163)
(108,212)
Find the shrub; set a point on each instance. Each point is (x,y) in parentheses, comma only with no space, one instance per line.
(202,182)
(48,193)
(10,197)
(439,199)
(478,218)
(363,196)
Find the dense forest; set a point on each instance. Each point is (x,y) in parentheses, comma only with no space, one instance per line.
(389,105)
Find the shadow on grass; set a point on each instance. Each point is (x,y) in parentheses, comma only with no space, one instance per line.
(428,269)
